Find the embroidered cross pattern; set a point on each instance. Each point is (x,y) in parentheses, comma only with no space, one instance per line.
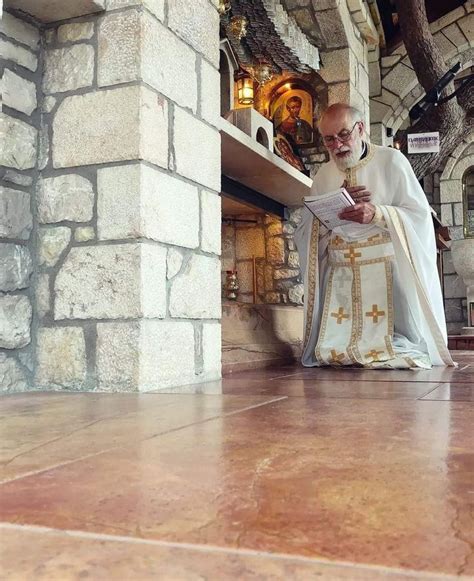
(375,314)
(374,355)
(336,357)
(340,315)
(352,255)
(338,241)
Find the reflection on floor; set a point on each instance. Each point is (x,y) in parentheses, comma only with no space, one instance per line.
(290,473)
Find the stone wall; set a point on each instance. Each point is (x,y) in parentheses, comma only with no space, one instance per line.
(270,242)
(448,192)
(128,201)
(126,219)
(20,66)
(343,31)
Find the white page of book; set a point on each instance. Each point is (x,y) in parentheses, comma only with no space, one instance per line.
(327,207)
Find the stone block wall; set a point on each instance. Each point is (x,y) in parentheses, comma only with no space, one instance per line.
(126,220)
(394,87)
(20,71)
(343,30)
(349,67)
(128,199)
(270,242)
(445,191)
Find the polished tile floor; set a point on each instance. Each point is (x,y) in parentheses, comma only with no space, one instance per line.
(284,473)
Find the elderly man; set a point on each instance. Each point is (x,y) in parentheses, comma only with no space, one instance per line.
(372,292)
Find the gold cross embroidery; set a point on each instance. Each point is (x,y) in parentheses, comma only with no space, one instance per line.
(372,238)
(336,357)
(375,314)
(352,255)
(338,241)
(374,355)
(340,315)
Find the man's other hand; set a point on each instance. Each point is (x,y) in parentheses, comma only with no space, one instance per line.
(362,212)
(359,193)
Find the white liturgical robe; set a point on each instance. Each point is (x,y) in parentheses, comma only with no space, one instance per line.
(372,291)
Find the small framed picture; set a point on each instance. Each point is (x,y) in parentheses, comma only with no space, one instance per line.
(284,149)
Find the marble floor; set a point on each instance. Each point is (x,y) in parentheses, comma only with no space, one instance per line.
(283,473)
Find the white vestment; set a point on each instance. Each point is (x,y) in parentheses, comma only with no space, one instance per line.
(372,291)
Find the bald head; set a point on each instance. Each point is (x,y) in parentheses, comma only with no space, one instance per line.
(341,111)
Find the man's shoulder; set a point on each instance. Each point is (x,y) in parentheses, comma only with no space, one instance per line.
(324,170)
(387,154)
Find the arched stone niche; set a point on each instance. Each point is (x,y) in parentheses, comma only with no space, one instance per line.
(452,214)
(451,186)
(468,202)
(228,65)
(313,154)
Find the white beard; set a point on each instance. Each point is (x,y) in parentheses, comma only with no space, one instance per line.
(349,160)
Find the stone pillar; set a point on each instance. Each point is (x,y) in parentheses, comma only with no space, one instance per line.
(19,52)
(128,200)
(463,258)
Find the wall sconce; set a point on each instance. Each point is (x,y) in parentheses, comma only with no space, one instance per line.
(237,27)
(245,89)
(262,73)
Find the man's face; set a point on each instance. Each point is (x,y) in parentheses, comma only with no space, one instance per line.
(294,109)
(345,154)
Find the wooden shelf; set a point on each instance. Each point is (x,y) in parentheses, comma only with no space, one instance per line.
(253,165)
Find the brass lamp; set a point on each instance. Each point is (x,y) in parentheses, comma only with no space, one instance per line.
(245,89)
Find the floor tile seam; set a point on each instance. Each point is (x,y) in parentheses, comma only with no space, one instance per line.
(204,548)
(431,390)
(63,436)
(450,401)
(365,380)
(220,416)
(112,448)
(258,405)
(350,398)
(285,376)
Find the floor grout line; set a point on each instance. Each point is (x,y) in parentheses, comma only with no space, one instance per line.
(430,391)
(158,434)
(198,547)
(257,405)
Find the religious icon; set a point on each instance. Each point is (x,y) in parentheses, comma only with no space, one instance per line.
(285,151)
(292,114)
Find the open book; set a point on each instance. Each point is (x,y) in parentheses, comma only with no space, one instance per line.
(327,207)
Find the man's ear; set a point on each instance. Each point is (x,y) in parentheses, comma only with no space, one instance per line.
(361,128)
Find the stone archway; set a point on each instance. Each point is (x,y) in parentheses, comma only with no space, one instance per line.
(399,90)
(451,202)
(450,186)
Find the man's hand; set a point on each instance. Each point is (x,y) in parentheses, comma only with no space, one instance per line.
(362,212)
(358,193)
